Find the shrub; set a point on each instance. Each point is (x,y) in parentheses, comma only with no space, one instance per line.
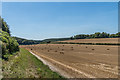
(8,44)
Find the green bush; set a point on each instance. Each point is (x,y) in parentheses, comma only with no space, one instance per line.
(8,44)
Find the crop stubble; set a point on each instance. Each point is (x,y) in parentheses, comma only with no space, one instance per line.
(80,61)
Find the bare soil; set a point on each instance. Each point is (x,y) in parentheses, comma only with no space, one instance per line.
(80,61)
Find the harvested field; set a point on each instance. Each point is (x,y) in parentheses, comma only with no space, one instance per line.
(80,61)
(94,40)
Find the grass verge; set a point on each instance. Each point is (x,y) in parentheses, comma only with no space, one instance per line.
(25,65)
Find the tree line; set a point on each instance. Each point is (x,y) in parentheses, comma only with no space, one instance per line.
(22,41)
(8,44)
(96,35)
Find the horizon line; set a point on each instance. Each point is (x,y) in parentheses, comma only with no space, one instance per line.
(60,37)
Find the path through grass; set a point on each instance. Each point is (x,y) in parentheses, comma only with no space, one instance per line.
(24,65)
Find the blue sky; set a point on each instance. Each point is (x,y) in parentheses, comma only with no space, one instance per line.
(60,0)
(42,20)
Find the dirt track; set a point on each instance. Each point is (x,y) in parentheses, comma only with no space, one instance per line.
(81,61)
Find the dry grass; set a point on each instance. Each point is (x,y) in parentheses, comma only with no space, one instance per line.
(25,65)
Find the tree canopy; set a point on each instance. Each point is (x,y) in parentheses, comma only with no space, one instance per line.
(96,35)
(9,44)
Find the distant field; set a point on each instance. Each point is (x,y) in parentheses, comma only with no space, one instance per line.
(94,40)
(81,61)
